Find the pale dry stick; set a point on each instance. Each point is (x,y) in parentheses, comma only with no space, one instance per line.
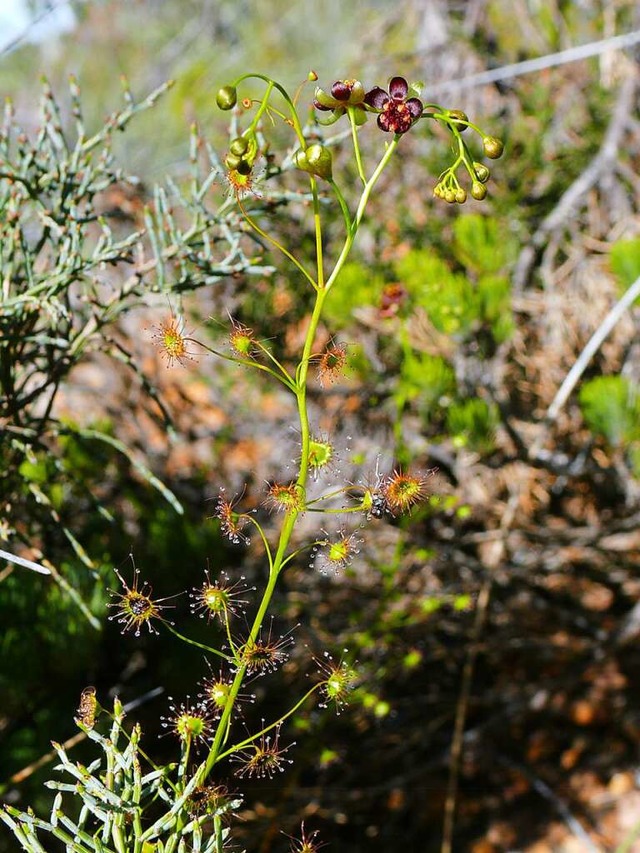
(592,346)
(540,63)
(27,564)
(603,161)
(457,742)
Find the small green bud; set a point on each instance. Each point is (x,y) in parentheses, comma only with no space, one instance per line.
(461,195)
(449,196)
(478,190)
(232,161)
(320,161)
(459,116)
(227,97)
(493,147)
(300,159)
(239,146)
(482,173)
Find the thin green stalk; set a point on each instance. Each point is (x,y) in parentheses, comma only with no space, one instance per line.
(364,199)
(276,244)
(254,737)
(195,643)
(356,145)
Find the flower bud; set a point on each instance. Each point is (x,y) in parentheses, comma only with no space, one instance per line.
(227,97)
(493,147)
(458,116)
(478,191)
(482,173)
(319,161)
(340,90)
(461,195)
(239,146)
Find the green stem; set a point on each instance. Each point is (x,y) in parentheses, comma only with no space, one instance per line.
(300,390)
(364,199)
(276,244)
(271,726)
(198,645)
(356,145)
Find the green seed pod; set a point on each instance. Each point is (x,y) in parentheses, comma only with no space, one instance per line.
(232,161)
(227,97)
(239,146)
(459,116)
(319,161)
(478,191)
(300,159)
(482,173)
(493,147)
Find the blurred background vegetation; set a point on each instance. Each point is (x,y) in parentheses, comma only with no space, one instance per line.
(462,325)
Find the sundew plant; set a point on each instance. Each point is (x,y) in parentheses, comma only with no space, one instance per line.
(123,802)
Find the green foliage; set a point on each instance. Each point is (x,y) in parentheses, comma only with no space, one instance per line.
(457,304)
(428,380)
(611,408)
(472,423)
(625,261)
(481,244)
(454,303)
(358,285)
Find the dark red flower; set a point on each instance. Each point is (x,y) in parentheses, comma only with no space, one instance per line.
(397,112)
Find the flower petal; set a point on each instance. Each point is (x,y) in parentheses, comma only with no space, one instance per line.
(376,98)
(398,88)
(383,122)
(340,90)
(414,105)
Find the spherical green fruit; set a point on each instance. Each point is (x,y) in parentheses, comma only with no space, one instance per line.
(227,97)
(232,161)
(239,146)
(493,147)
(320,161)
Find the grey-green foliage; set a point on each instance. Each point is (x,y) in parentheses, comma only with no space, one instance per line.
(113,794)
(69,271)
